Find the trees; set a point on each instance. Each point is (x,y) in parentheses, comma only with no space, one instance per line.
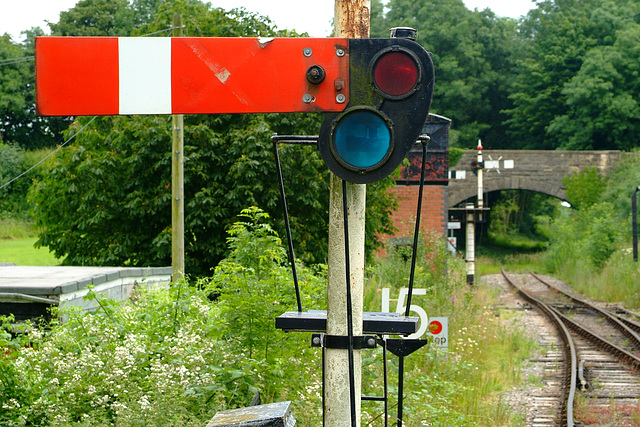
(577,85)
(106,198)
(584,188)
(15,71)
(473,55)
(602,102)
(18,121)
(96,18)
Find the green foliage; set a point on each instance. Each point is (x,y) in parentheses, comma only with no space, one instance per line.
(96,18)
(14,161)
(169,355)
(620,184)
(584,188)
(14,73)
(18,121)
(454,155)
(575,87)
(586,238)
(601,103)
(105,200)
(11,160)
(90,202)
(521,212)
(503,215)
(254,286)
(460,387)
(473,55)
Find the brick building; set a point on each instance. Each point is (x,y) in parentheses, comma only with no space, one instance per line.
(434,199)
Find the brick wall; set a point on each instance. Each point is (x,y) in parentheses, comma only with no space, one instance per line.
(434,210)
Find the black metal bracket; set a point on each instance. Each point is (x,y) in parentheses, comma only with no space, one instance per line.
(342,341)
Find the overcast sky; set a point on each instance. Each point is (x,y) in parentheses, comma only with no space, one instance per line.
(19,15)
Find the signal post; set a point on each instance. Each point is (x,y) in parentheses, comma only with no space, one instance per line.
(351,20)
(375,94)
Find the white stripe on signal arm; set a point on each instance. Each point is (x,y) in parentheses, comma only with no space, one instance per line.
(145,75)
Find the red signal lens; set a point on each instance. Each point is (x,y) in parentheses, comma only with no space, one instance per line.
(396,74)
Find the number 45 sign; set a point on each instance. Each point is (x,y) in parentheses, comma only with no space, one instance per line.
(436,327)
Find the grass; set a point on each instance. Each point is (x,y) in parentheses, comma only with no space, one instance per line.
(17,237)
(515,254)
(486,352)
(22,252)
(616,281)
(15,228)
(614,414)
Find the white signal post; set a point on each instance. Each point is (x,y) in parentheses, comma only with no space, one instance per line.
(471,254)
(351,20)
(471,221)
(480,183)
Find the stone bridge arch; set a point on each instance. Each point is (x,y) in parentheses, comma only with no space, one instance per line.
(534,170)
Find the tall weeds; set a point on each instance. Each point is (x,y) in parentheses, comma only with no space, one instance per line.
(463,386)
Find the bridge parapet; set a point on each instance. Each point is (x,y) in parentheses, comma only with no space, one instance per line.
(534,170)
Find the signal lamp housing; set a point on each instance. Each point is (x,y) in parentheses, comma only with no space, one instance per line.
(390,91)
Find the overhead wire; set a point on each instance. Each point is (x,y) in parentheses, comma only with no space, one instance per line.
(17,60)
(10,61)
(48,155)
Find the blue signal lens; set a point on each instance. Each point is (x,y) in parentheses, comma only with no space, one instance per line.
(362,139)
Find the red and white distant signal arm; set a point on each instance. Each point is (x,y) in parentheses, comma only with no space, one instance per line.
(190,75)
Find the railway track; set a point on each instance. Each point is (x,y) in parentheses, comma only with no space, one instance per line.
(592,366)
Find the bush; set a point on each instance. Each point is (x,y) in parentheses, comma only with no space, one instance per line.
(11,160)
(169,356)
(14,161)
(178,355)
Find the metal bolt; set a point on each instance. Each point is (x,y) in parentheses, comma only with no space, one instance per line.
(315,74)
(340,98)
(340,52)
(307,51)
(316,340)
(371,342)
(307,98)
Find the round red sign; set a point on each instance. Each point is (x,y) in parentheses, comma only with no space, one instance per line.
(435,327)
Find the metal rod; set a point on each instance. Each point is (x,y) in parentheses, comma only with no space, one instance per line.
(634,222)
(352,381)
(16,296)
(386,383)
(324,407)
(416,233)
(295,139)
(400,388)
(287,226)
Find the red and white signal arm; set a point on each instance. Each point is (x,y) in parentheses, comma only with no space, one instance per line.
(190,75)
